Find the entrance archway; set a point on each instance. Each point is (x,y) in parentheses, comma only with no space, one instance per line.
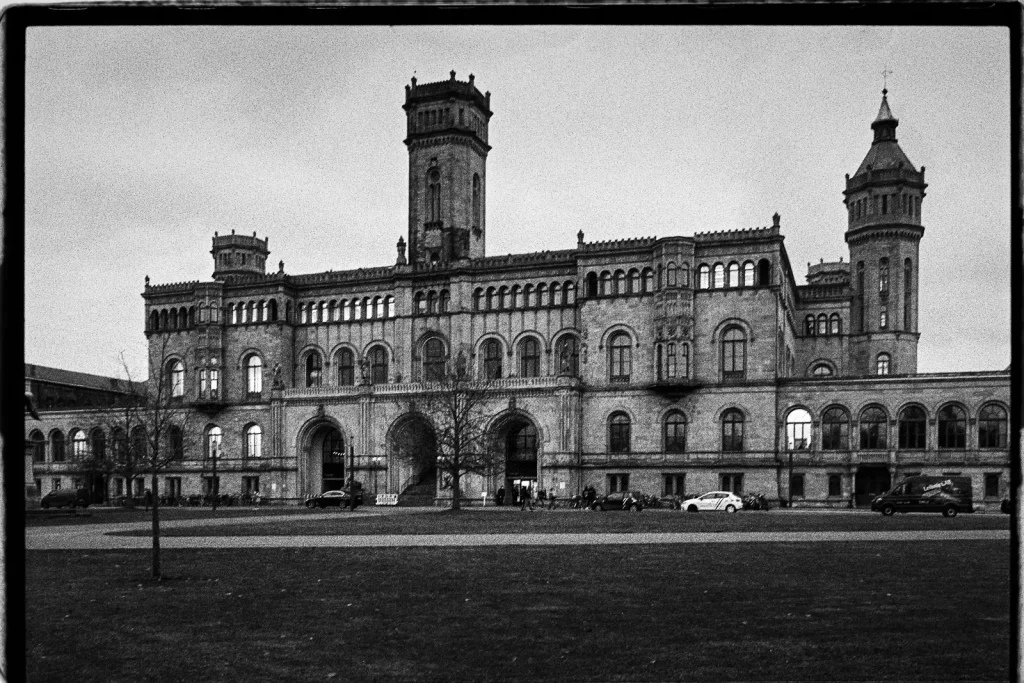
(412,444)
(518,438)
(869,482)
(327,445)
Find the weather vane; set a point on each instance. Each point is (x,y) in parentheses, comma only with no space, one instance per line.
(885,75)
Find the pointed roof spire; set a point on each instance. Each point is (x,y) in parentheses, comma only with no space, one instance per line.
(885,123)
(884,113)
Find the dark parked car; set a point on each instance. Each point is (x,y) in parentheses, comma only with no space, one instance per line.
(338,498)
(66,498)
(1005,506)
(620,500)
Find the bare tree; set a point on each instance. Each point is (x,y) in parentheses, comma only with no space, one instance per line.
(456,405)
(159,424)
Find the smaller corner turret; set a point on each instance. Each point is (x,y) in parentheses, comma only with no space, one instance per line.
(238,255)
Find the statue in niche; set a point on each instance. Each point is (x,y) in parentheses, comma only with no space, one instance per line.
(277,376)
(364,371)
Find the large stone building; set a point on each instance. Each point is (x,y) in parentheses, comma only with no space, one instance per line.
(671,365)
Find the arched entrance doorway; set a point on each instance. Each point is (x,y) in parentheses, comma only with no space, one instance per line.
(327,445)
(518,437)
(869,482)
(412,444)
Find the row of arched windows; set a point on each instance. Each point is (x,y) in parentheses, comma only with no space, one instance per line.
(912,427)
(430,302)
(871,426)
(242,313)
(366,308)
(167,319)
(528,296)
(885,204)
(81,446)
(822,325)
(620,282)
(734,275)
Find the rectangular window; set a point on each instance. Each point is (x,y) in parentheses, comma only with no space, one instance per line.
(118,486)
(684,360)
(835,485)
(76,483)
(991,485)
(55,485)
(211,485)
(618,482)
(172,487)
(733,483)
(214,382)
(250,485)
(670,362)
(673,484)
(796,486)
(203,382)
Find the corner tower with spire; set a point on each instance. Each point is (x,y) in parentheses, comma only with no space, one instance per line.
(883,200)
(446,124)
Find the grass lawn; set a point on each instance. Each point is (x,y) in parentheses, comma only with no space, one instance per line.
(817,611)
(477,521)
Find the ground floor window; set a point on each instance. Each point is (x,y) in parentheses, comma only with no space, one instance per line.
(172,487)
(140,486)
(39,487)
(76,483)
(250,486)
(118,486)
(55,485)
(796,486)
(673,484)
(733,482)
(835,485)
(211,486)
(618,482)
(991,485)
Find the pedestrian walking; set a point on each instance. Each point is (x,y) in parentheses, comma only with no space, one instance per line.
(524,494)
(551,499)
(516,493)
(500,496)
(149,498)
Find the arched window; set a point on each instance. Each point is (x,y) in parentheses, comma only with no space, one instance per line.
(433,360)
(704,277)
(618,433)
(684,274)
(633,287)
(314,368)
(568,352)
(674,432)
(873,422)
(529,358)
(734,353)
(174,319)
(379,308)
(434,195)
(431,303)
(118,445)
(748,274)
(620,357)
(648,280)
(883,275)
(670,274)
(684,360)
(882,364)
(476,200)
(809,328)
(214,436)
(346,361)
(254,375)
(732,431)
(253,441)
(822,370)
(444,303)
(834,324)
(492,359)
(491,293)
(952,427)
(542,293)
(303,314)
(670,360)
(908,288)
(591,284)
(527,296)
(79,445)
(164,324)
(478,296)
(718,281)
(515,300)
(176,378)
(38,442)
(606,284)
(503,298)
(57,452)
(154,320)
(835,429)
(912,424)
(556,294)
(389,306)
(139,445)
(569,293)
(883,316)
(734,274)
(378,365)
(992,427)
(265,311)
(764,272)
(822,324)
(798,430)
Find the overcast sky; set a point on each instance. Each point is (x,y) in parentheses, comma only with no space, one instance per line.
(142,141)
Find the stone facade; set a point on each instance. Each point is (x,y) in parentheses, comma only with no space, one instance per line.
(671,366)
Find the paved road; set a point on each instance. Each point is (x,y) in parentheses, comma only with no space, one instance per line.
(97,536)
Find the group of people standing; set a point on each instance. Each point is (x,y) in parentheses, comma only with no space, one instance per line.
(523,497)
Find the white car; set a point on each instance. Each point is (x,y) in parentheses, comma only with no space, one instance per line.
(715,500)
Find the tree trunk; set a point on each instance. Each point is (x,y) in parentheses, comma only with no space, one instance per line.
(156,528)
(456,502)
